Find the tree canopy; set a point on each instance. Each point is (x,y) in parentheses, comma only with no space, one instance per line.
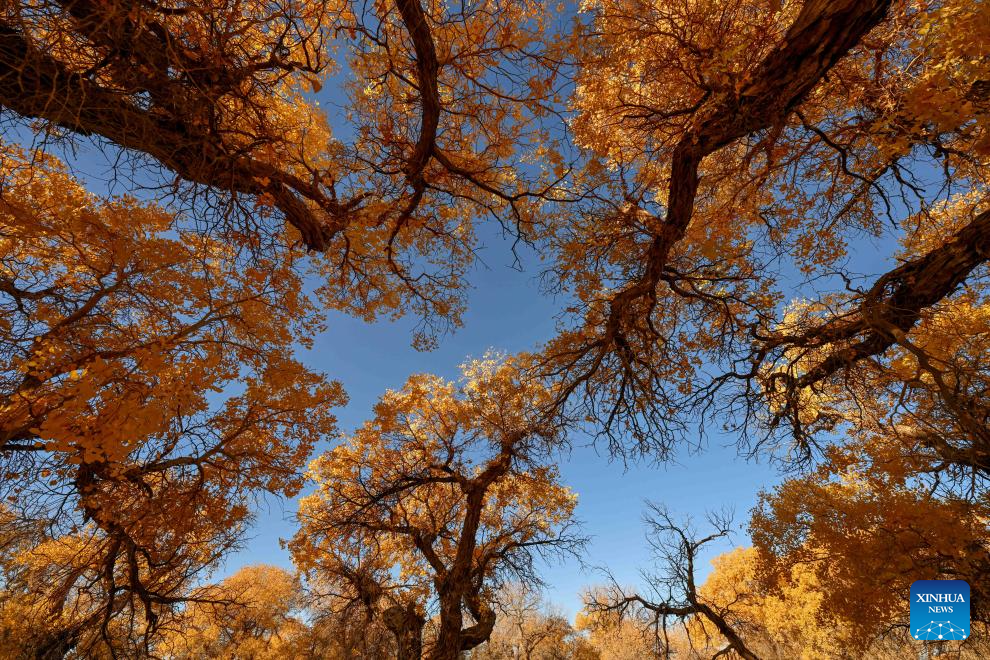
(431,505)
(764,217)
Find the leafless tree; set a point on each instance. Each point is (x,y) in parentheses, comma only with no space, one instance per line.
(671,596)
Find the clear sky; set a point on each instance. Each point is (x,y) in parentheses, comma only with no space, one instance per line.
(508,312)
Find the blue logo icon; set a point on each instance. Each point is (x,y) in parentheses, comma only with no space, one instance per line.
(939,609)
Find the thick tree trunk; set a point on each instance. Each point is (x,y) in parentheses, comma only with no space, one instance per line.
(458,589)
(448,642)
(407,626)
(452,638)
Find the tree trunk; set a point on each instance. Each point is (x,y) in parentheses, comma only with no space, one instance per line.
(407,626)
(448,643)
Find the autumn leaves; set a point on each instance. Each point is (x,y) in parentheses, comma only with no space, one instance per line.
(149,393)
(695,175)
(447,494)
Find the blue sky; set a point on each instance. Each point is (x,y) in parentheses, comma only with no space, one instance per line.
(507,312)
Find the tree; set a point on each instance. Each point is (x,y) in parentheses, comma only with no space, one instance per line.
(902,494)
(681,106)
(147,392)
(613,637)
(673,594)
(262,612)
(527,628)
(439,499)
(346,633)
(694,173)
(864,527)
(836,551)
(442,100)
(786,615)
(254,614)
(737,150)
(777,619)
(736,172)
(721,146)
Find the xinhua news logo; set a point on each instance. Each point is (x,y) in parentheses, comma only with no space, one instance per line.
(939,609)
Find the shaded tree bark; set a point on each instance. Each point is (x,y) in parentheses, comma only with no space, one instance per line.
(407,626)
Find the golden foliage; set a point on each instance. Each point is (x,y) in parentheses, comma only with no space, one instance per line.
(148,387)
(439,497)
(696,176)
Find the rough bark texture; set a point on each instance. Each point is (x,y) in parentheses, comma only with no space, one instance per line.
(407,626)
